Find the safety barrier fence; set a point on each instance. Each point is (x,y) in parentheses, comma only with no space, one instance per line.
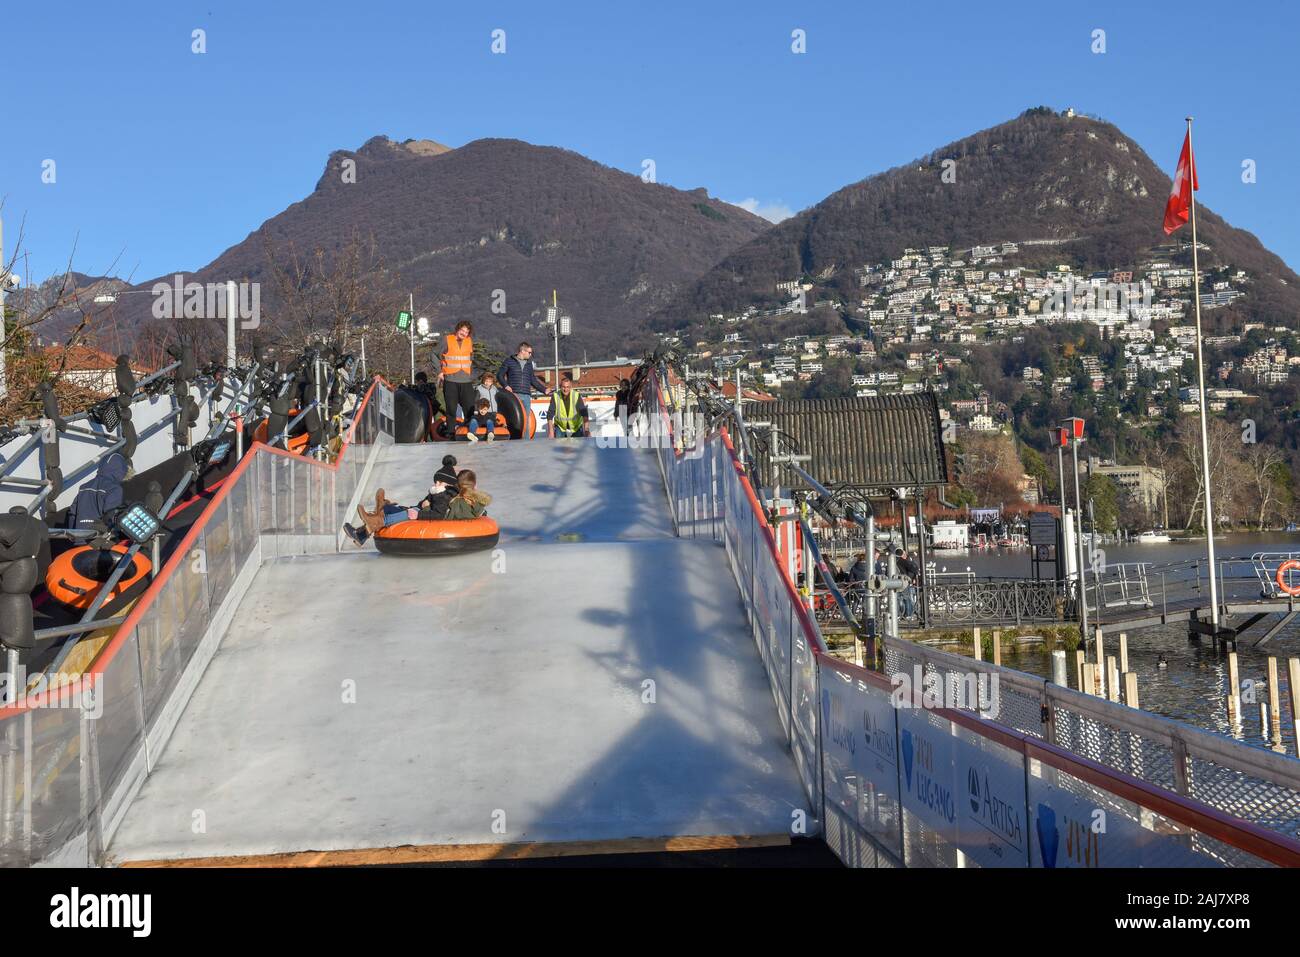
(945,761)
(1165,587)
(72,758)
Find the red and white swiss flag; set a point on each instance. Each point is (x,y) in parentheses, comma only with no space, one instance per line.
(1180,197)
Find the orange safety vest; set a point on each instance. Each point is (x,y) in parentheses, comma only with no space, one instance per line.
(458,355)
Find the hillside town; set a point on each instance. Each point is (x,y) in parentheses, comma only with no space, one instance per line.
(930,320)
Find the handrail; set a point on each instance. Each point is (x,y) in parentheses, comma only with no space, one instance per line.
(89,679)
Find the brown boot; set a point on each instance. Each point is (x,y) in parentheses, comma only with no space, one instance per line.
(380,501)
(373,521)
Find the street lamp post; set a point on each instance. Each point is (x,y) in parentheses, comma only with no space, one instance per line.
(1076,436)
(560,326)
(410,329)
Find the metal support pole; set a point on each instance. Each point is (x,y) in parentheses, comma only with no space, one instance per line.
(871,565)
(231,316)
(410,335)
(921,611)
(1078,537)
(892,568)
(1060,465)
(1200,378)
(11,669)
(806,558)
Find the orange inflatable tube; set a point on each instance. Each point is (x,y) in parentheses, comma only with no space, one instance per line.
(296,444)
(447,537)
(75,577)
(500,428)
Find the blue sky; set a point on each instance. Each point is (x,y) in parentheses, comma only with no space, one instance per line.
(164,157)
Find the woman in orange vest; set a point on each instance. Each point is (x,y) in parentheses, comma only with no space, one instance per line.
(457,375)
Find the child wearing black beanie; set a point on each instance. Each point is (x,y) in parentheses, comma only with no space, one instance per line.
(447,474)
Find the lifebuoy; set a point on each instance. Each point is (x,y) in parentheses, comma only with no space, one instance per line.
(448,537)
(1289,565)
(76,576)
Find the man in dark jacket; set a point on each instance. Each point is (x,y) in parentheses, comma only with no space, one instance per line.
(517,375)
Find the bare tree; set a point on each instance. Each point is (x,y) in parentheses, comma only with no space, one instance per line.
(337,299)
(57,308)
(991,470)
(1267,467)
(1228,474)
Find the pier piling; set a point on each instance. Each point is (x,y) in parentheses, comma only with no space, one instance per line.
(1131,689)
(1058,668)
(1234,689)
(1293,686)
(1099,656)
(1274,701)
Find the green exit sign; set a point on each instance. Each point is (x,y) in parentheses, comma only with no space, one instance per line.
(403,321)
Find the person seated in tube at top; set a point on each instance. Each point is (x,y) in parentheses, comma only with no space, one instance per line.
(483,416)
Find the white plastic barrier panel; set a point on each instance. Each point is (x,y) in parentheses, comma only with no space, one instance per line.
(602,419)
(860,755)
(991,826)
(929,793)
(1078,825)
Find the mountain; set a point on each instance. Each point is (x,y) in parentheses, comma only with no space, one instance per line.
(1042,176)
(456,225)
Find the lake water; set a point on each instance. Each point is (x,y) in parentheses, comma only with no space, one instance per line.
(1014,563)
(1193,688)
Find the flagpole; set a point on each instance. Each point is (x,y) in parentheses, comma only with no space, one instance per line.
(1200,376)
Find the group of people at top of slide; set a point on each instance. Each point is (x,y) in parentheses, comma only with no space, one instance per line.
(475,401)
(454,495)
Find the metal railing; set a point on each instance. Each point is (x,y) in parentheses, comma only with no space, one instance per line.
(72,758)
(992,601)
(1248,783)
(1174,586)
(1000,768)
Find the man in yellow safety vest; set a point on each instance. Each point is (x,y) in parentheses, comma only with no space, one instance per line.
(568,413)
